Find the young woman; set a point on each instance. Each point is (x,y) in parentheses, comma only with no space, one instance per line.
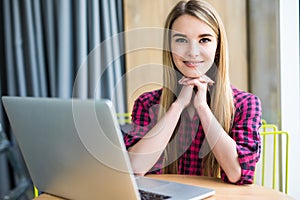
(198,123)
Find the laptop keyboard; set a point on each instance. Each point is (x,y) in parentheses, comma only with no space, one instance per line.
(146,195)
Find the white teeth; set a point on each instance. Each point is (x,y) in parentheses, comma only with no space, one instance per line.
(193,62)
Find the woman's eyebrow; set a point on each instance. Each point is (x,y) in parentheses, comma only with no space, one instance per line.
(199,36)
(179,35)
(205,35)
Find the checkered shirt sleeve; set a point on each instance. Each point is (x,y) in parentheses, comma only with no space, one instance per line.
(245,131)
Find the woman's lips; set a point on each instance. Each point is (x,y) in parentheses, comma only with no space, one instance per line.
(192,63)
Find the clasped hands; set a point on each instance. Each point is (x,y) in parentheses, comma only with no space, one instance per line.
(187,93)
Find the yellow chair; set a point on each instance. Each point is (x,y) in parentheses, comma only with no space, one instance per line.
(124,118)
(36,192)
(267,131)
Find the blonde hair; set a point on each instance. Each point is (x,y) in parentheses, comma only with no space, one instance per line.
(221,102)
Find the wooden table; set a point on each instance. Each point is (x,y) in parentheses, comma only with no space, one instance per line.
(223,190)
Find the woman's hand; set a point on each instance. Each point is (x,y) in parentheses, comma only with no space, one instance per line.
(186,93)
(200,84)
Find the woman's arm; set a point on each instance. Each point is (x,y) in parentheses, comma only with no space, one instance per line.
(245,133)
(145,153)
(222,145)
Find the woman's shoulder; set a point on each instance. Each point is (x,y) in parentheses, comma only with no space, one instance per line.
(240,96)
(247,107)
(152,97)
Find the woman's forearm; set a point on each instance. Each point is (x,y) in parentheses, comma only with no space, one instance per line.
(222,145)
(145,153)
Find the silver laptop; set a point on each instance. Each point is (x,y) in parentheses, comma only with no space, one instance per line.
(74,149)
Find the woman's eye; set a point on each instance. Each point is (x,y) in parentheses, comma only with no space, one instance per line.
(181,40)
(204,40)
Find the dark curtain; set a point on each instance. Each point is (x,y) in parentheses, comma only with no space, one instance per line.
(59,48)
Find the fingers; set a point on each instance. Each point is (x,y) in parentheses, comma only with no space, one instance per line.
(183,80)
(202,79)
(207,80)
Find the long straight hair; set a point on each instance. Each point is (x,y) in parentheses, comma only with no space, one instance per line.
(221,98)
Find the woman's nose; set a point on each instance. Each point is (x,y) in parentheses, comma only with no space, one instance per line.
(194,49)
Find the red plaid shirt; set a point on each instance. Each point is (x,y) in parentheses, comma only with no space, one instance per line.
(245,131)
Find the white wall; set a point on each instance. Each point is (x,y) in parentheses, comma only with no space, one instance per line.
(290,86)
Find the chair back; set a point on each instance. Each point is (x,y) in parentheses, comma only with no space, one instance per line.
(274,156)
(124,118)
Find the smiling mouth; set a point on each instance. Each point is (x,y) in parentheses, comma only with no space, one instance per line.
(192,63)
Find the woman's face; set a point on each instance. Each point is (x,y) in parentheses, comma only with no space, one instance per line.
(193,46)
